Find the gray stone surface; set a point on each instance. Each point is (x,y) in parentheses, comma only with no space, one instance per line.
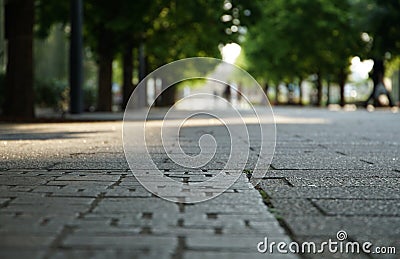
(342,174)
(66,191)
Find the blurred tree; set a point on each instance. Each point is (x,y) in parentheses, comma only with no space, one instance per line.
(194,28)
(165,30)
(99,35)
(48,13)
(297,38)
(109,28)
(180,32)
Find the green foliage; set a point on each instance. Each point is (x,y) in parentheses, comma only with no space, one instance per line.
(185,29)
(48,13)
(380,21)
(54,94)
(295,38)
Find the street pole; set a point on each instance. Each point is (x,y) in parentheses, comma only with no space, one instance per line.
(76,58)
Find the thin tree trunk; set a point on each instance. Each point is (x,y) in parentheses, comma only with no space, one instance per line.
(127,85)
(277,94)
(319,89)
(300,92)
(266,87)
(328,92)
(19,95)
(342,82)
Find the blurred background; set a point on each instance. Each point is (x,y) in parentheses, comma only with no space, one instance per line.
(60,57)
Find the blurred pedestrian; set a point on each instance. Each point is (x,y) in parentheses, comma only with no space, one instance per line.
(379,85)
(227,92)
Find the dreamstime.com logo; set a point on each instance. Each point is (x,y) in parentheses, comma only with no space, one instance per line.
(340,245)
(195,153)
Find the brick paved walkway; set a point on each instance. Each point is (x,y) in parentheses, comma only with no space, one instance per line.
(66,191)
(337,171)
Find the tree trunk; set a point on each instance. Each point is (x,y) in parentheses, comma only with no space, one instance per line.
(266,87)
(276,94)
(19,95)
(342,82)
(300,92)
(127,85)
(319,89)
(105,72)
(328,92)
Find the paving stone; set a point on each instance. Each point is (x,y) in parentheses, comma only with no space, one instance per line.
(233,255)
(362,226)
(360,207)
(66,190)
(91,165)
(134,242)
(380,192)
(23,180)
(25,241)
(294,207)
(26,252)
(229,243)
(308,161)
(391,182)
(112,253)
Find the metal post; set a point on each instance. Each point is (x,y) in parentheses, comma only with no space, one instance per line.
(76,58)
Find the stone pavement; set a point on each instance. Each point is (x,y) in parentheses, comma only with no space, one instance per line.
(66,191)
(337,171)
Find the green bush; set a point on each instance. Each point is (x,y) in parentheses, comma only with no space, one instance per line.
(51,94)
(55,94)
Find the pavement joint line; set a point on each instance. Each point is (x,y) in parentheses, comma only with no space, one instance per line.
(7,202)
(118,182)
(312,202)
(93,205)
(181,207)
(57,243)
(365,161)
(180,248)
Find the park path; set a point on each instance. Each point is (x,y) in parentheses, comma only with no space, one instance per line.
(66,191)
(337,171)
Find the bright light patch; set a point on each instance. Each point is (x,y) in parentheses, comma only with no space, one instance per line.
(360,69)
(230,52)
